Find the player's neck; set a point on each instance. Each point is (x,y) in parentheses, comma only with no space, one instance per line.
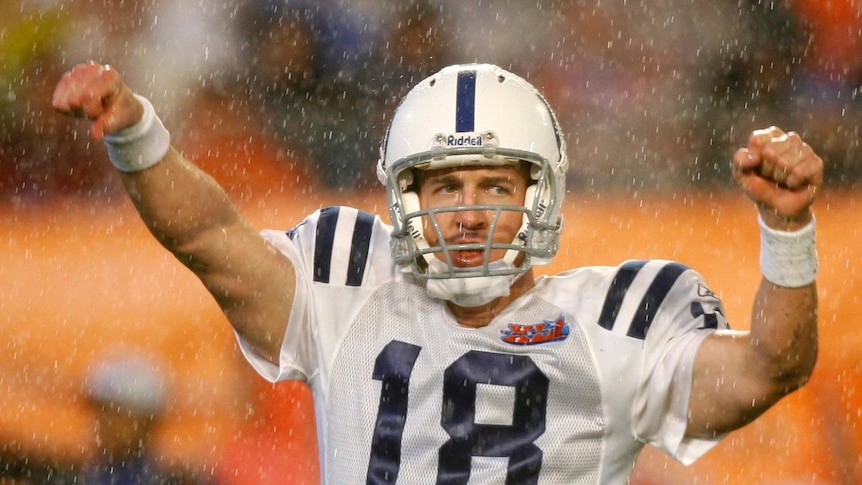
(480,316)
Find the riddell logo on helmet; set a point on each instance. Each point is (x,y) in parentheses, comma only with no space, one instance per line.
(465,140)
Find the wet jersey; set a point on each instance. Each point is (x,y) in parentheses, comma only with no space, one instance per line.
(564,386)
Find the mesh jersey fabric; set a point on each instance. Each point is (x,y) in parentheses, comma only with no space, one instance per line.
(565,386)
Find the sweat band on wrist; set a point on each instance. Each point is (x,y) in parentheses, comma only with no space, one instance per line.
(788,259)
(141,145)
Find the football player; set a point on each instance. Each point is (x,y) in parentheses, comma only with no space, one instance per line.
(434,353)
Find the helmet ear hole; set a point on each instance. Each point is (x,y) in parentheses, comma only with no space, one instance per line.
(535,171)
(406,181)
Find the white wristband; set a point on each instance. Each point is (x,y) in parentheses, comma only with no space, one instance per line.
(788,259)
(141,145)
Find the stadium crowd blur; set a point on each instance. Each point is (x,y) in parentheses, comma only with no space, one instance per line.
(651,94)
(275,95)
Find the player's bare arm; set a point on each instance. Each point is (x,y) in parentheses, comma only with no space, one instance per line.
(739,375)
(190,214)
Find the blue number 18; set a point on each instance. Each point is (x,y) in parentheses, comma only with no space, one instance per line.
(467,438)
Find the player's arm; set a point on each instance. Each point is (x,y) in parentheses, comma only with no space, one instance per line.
(184,208)
(739,375)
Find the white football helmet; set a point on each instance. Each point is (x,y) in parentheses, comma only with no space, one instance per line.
(474,114)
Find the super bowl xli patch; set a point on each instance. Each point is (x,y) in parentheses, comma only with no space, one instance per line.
(540,333)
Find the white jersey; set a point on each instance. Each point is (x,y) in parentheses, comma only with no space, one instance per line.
(565,386)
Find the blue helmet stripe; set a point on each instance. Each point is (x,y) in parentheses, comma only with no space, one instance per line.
(465,110)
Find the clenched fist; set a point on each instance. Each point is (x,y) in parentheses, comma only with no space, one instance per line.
(781,174)
(98,93)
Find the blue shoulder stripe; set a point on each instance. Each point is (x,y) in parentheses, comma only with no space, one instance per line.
(325,246)
(650,302)
(323,242)
(359,248)
(653,298)
(619,286)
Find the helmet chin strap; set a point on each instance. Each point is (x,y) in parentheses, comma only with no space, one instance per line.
(469,292)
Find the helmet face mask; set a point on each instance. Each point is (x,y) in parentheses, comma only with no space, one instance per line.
(465,116)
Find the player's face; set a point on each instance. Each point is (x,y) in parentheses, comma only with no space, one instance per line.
(470,186)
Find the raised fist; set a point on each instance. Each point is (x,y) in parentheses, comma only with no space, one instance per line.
(98,93)
(782,174)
